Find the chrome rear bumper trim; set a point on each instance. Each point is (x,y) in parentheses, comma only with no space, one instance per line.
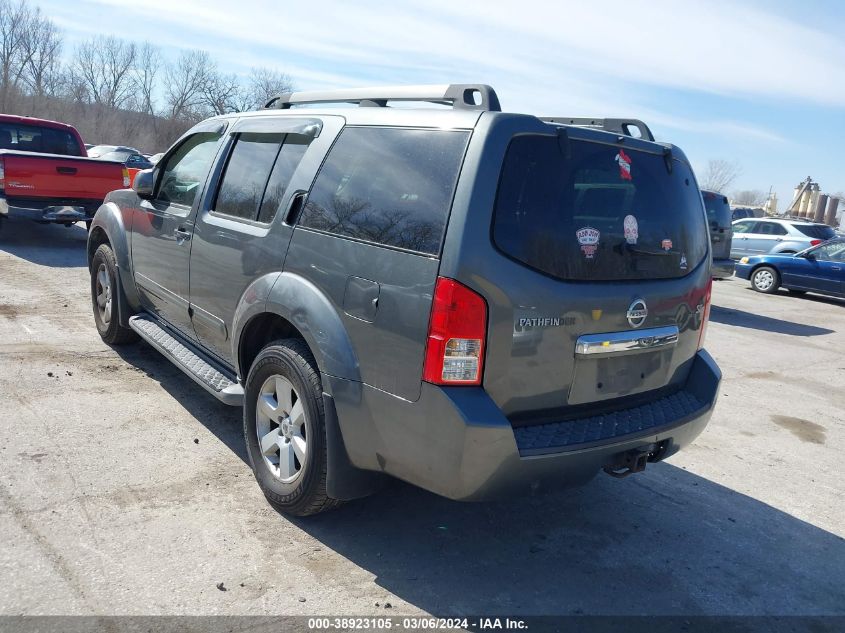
(626,342)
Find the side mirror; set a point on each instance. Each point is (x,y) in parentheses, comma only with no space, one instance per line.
(810,256)
(144,184)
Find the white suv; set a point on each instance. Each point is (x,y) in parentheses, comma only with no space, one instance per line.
(759,236)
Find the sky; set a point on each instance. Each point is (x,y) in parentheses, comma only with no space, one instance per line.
(760,82)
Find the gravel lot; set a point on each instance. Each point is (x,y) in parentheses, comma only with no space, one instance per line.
(124,487)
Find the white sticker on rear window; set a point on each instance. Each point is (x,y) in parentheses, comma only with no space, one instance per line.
(683,261)
(632,230)
(588,238)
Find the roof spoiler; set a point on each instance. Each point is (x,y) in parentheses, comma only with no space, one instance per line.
(458,96)
(617,126)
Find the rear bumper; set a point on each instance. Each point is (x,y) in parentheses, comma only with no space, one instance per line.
(457,443)
(722,268)
(49,210)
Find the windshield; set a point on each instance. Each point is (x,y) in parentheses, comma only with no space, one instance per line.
(597,212)
(98,150)
(45,140)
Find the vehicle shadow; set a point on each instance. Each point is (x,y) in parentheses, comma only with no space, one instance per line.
(741,318)
(662,542)
(50,245)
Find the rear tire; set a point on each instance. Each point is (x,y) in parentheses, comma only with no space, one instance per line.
(104,298)
(284,429)
(765,279)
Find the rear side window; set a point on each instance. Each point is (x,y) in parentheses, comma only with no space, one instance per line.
(391,186)
(600,213)
(293,149)
(45,140)
(816,231)
(246,174)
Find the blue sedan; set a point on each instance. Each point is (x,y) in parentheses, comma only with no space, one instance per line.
(819,269)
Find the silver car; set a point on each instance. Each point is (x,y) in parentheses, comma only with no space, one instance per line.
(759,236)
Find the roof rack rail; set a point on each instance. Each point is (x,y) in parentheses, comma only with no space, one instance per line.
(619,126)
(459,96)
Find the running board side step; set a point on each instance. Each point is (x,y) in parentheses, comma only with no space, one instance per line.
(204,371)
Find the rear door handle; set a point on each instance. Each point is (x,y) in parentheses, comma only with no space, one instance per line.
(182,235)
(68,171)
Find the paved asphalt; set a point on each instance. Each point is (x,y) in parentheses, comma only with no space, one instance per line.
(124,490)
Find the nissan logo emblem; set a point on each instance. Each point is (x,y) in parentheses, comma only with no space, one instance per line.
(637,312)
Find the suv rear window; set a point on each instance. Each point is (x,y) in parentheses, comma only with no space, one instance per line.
(718,209)
(816,231)
(600,213)
(31,138)
(391,186)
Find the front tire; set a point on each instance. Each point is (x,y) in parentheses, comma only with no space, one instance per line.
(104,298)
(766,280)
(284,429)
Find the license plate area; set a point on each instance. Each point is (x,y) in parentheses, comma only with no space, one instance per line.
(605,377)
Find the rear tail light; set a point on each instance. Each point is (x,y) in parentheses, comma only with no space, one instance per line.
(815,242)
(454,353)
(2,174)
(705,316)
(125,178)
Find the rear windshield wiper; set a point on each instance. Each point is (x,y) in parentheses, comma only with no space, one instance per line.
(641,251)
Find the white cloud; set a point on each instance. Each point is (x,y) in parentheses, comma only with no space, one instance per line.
(713,46)
(565,58)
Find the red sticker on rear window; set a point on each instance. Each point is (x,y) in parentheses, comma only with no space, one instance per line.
(624,164)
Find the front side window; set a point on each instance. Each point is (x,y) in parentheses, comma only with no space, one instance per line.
(743,227)
(770,228)
(185,171)
(594,212)
(390,186)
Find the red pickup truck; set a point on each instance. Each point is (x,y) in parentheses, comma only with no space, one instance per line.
(45,171)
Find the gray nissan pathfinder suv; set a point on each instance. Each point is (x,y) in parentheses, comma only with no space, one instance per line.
(470,300)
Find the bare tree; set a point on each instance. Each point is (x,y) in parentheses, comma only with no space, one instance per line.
(720,175)
(223,93)
(14,22)
(187,80)
(749,197)
(41,49)
(264,84)
(104,66)
(144,74)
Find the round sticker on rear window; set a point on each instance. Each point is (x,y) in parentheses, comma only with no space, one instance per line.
(632,230)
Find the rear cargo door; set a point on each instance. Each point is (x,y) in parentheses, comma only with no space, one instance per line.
(61,177)
(596,292)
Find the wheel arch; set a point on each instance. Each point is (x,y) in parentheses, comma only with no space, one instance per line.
(108,227)
(284,305)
